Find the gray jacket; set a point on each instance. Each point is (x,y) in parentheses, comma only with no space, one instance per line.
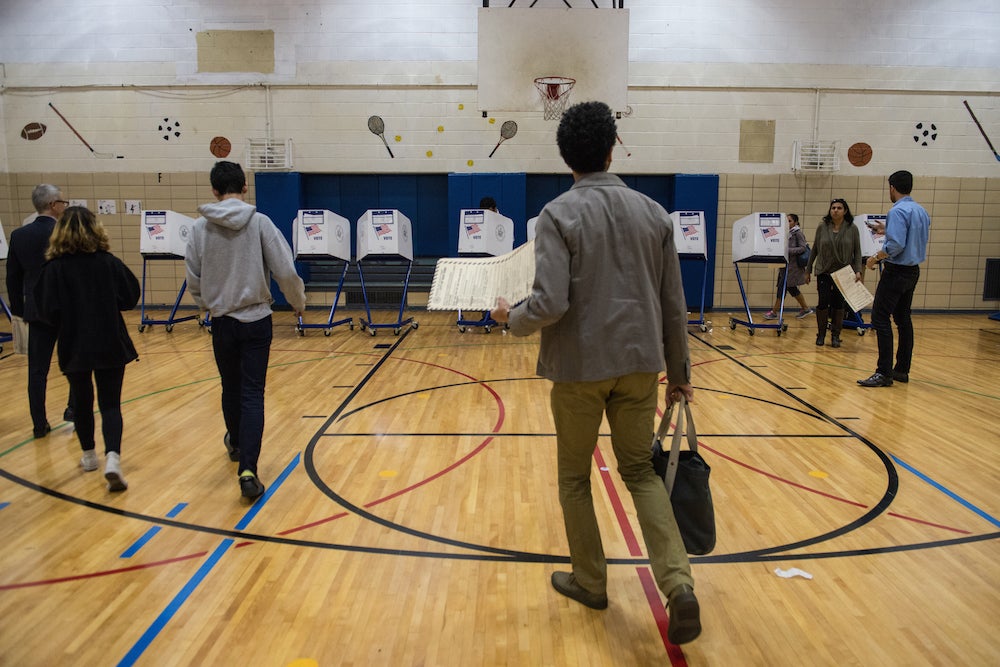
(607,294)
(232,253)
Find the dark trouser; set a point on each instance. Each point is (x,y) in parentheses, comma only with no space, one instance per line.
(893,298)
(828,296)
(109,401)
(41,342)
(241,354)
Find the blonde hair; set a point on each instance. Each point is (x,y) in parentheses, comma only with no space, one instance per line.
(77,231)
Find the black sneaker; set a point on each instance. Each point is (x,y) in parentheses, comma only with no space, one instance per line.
(43,431)
(250,486)
(234,454)
(68,414)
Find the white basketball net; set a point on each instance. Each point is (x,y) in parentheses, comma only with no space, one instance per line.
(554,91)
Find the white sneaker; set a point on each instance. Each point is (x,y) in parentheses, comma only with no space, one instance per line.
(89,460)
(113,472)
(805,312)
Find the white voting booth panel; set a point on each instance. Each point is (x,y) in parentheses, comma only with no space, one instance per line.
(760,237)
(321,233)
(164,233)
(3,243)
(384,232)
(482,231)
(871,242)
(690,232)
(531,228)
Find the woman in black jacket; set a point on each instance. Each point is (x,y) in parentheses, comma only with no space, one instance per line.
(81,292)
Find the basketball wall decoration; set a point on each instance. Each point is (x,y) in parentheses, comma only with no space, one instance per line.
(33,131)
(859,154)
(220,147)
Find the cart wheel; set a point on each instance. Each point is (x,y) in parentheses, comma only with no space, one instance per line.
(461,330)
(327,332)
(351,324)
(487,329)
(142,327)
(752,332)
(732,324)
(414,325)
(702,328)
(395,331)
(784,327)
(208,329)
(302,332)
(169,328)
(779,333)
(371,331)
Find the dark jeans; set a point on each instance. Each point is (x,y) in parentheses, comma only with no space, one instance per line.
(109,401)
(828,296)
(241,354)
(41,343)
(893,298)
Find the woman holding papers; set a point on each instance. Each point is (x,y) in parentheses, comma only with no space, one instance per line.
(837,244)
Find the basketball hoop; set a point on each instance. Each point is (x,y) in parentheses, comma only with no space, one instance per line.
(555,94)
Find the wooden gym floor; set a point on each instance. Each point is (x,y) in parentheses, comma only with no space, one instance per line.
(412,518)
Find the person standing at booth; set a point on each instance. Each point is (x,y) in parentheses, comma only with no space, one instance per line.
(796,273)
(24,265)
(837,244)
(232,253)
(609,302)
(907,229)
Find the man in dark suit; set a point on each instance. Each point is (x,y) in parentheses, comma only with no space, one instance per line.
(24,264)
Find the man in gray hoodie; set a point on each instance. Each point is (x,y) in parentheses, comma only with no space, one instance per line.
(231,255)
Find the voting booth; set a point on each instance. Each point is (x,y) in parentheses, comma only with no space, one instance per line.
(163,235)
(531,228)
(319,234)
(384,234)
(690,238)
(482,232)
(760,238)
(871,242)
(4,248)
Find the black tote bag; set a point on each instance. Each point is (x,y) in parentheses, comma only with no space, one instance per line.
(685,476)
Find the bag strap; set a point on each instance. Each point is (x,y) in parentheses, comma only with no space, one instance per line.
(683,411)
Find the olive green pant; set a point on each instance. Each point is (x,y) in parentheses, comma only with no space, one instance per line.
(630,403)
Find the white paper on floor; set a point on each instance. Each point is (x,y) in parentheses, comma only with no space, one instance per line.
(792,572)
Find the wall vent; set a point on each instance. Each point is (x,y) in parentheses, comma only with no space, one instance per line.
(815,156)
(269,154)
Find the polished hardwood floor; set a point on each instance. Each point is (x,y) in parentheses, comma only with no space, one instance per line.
(411,516)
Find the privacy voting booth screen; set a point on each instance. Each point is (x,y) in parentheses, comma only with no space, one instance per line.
(164,233)
(689,233)
(384,232)
(321,233)
(761,237)
(3,243)
(484,232)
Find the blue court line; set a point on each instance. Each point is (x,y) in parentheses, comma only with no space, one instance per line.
(961,501)
(141,542)
(168,613)
(3,505)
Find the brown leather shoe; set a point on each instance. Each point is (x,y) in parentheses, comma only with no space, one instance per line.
(685,615)
(565,583)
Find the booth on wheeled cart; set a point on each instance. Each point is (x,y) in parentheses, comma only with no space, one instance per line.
(163,236)
(760,238)
(871,243)
(690,240)
(387,234)
(323,235)
(483,233)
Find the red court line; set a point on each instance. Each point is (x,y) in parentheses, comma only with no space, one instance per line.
(616,504)
(92,575)
(675,653)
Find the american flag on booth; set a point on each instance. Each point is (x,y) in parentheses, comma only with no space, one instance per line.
(472,229)
(154,230)
(382,229)
(769,232)
(313,230)
(689,230)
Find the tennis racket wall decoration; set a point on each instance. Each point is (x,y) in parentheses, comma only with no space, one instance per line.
(95,153)
(982,131)
(377,126)
(507,130)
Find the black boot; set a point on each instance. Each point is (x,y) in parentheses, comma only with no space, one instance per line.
(822,315)
(836,326)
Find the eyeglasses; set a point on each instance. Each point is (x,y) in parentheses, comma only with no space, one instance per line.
(61,201)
